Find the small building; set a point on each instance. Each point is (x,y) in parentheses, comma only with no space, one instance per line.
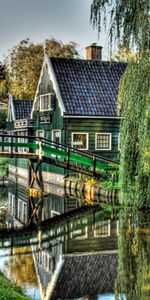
(18,119)
(20,124)
(75,104)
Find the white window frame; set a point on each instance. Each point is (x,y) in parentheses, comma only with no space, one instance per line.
(102,235)
(19,214)
(54,213)
(53,134)
(74,143)
(40,130)
(43,135)
(22,139)
(79,234)
(119,141)
(50,101)
(110,141)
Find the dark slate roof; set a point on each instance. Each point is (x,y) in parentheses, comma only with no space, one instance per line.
(88,87)
(22,108)
(91,274)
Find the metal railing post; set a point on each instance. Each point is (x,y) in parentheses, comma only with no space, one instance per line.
(94,165)
(11,145)
(68,157)
(40,149)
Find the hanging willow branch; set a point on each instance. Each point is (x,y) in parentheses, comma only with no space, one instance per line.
(128,20)
(134,100)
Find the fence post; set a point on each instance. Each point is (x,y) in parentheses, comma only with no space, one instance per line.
(11,145)
(68,157)
(94,165)
(40,149)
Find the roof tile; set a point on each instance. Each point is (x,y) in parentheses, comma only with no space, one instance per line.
(22,108)
(88,87)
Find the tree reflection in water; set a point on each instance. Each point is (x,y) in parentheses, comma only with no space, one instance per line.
(20,267)
(134,255)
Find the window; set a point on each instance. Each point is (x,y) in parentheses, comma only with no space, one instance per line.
(80,140)
(11,204)
(46,102)
(102,228)
(40,133)
(54,213)
(119,141)
(79,229)
(22,211)
(103,141)
(22,140)
(56,136)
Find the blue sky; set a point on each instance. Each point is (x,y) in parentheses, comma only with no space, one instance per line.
(65,20)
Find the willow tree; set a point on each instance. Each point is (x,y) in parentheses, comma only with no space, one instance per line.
(128,21)
(133,255)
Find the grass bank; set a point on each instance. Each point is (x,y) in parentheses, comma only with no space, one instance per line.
(9,291)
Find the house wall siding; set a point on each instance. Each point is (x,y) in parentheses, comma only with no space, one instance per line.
(93,126)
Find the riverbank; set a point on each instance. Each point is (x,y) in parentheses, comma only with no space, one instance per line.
(8,290)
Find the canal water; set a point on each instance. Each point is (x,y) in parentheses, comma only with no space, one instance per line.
(75,249)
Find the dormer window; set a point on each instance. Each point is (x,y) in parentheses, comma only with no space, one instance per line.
(46,102)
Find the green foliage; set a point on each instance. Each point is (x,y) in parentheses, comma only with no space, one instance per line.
(124,54)
(2,71)
(4,166)
(9,290)
(4,161)
(133,255)
(4,82)
(3,116)
(134,101)
(56,48)
(108,184)
(25,61)
(129,20)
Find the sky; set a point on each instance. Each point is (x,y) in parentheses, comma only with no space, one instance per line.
(65,20)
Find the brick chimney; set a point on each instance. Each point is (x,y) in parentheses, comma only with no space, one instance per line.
(94,52)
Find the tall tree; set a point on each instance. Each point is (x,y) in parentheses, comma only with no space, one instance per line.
(3,117)
(130,22)
(4,83)
(25,61)
(124,54)
(126,19)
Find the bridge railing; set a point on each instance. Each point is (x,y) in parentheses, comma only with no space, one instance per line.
(50,149)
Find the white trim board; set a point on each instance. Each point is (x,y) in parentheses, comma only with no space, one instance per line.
(90,117)
(52,77)
(55,85)
(110,141)
(87,139)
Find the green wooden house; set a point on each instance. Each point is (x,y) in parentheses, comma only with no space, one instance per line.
(76,104)
(20,124)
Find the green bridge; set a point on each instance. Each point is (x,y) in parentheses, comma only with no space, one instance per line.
(40,149)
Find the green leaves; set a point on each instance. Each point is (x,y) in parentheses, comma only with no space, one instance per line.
(134,100)
(3,116)
(128,20)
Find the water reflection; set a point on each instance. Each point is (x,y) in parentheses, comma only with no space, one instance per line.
(134,254)
(101,253)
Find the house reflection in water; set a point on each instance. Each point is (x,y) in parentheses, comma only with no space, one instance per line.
(79,259)
(74,260)
(19,205)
